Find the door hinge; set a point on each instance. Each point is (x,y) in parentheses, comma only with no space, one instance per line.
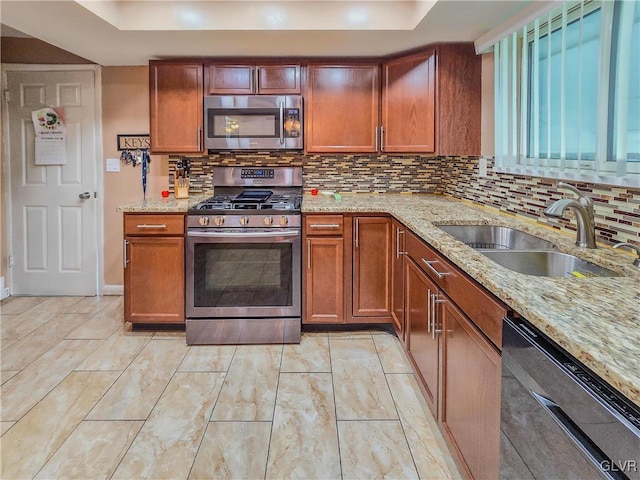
(10,261)
(7,95)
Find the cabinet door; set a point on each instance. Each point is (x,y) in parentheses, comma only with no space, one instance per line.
(471,394)
(175,107)
(422,344)
(278,79)
(154,279)
(324,291)
(459,99)
(342,108)
(397,278)
(230,80)
(372,267)
(409,104)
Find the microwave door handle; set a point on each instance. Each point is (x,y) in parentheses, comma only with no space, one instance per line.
(281,123)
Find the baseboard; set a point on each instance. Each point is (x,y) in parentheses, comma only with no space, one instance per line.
(4,292)
(113,290)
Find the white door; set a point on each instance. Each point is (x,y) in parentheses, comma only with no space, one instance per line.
(53,234)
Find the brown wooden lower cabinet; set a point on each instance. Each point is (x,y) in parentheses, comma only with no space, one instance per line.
(397,278)
(153,268)
(458,364)
(423,346)
(470,403)
(371,267)
(324,276)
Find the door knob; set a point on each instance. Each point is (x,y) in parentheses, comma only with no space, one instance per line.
(84,196)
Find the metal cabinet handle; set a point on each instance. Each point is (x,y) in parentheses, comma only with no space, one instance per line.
(252,78)
(199,130)
(428,264)
(308,254)
(324,225)
(398,233)
(382,139)
(150,225)
(429,310)
(256,83)
(437,327)
(357,231)
(375,133)
(281,123)
(125,260)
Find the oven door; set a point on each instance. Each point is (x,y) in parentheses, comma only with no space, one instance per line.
(248,273)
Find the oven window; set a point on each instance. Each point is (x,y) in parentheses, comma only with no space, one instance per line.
(243,275)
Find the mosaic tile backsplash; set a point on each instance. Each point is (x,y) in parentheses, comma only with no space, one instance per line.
(617,209)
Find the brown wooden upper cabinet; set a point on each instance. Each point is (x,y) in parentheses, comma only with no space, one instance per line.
(408,122)
(175,107)
(342,107)
(250,79)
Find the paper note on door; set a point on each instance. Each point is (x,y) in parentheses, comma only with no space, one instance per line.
(50,137)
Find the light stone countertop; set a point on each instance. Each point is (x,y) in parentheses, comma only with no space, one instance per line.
(157,204)
(597,320)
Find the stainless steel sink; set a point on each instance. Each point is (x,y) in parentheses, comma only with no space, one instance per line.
(496,238)
(547,263)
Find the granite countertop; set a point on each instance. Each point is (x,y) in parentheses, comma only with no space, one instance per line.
(597,320)
(168,204)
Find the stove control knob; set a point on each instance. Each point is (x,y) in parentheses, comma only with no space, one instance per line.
(219,221)
(284,221)
(268,220)
(244,221)
(204,221)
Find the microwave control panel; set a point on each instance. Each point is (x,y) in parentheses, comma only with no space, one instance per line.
(291,123)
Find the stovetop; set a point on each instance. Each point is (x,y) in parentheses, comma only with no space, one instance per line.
(247,190)
(248,200)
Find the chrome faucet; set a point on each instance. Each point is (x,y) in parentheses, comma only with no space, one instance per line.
(636,262)
(583,208)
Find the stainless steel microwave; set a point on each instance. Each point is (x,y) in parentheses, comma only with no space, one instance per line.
(253,122)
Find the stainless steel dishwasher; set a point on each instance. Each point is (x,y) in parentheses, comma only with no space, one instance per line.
(558,419)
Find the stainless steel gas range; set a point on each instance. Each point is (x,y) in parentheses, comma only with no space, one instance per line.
(243,256)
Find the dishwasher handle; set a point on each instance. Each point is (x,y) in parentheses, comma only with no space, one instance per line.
(578,437)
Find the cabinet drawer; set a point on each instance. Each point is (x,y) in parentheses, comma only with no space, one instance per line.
(324,224)
(153,224)
(486,311)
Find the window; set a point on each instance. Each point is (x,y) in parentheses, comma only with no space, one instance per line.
(568,94)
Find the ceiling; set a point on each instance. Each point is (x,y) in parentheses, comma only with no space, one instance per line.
(115,32)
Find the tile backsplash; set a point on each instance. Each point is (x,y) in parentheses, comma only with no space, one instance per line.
(343,173)
(617,209)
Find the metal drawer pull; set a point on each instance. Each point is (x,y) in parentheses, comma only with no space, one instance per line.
(324,225)
(149,225)
(428,264)
(124,256)
(308,254)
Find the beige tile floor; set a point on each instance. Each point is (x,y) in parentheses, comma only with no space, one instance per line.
(83,397)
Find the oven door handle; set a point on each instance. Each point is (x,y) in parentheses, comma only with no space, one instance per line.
(243,235)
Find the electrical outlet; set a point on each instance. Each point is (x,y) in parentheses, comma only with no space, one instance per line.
(482,167)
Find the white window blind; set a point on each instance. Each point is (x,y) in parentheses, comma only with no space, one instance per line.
(567,92)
